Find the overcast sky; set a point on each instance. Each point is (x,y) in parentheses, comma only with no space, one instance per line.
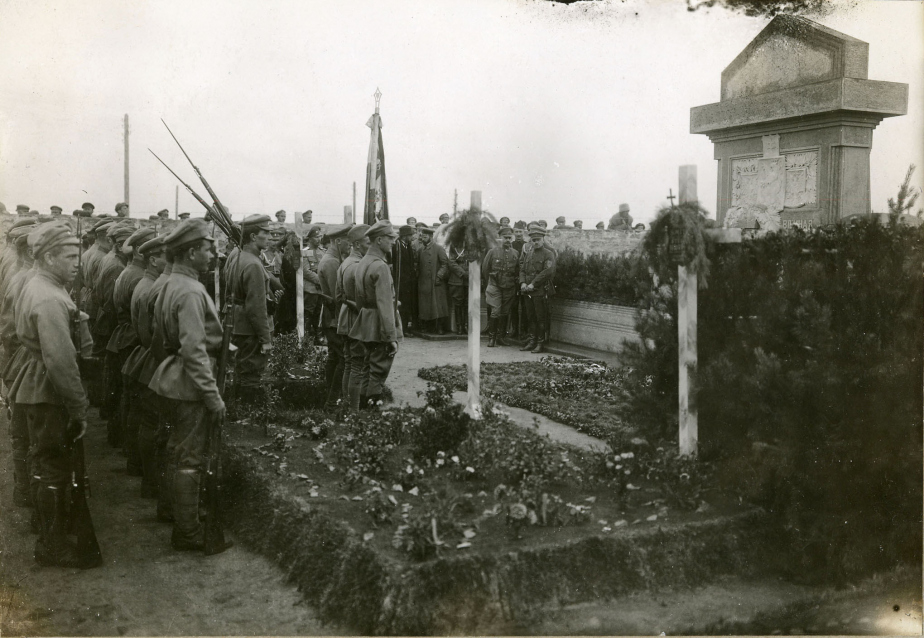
(549,109)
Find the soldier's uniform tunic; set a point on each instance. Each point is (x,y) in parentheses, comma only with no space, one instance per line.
(458,287)
(378,323)
(111,266)
(188,320)
(49,391)
(537,268)
(253,325)
(327,273)
(501,269)
(355,375)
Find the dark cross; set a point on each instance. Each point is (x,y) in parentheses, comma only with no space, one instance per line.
(671,196)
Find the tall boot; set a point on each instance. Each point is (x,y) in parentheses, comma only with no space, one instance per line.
(439,325)
(492,332)
(147,451)
(540,346)
(187,529)
(486,329)
(530,343)
(53,549)
(21,493)
(501,332)
(165,472)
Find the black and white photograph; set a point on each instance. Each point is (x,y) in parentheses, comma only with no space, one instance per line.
(623,335)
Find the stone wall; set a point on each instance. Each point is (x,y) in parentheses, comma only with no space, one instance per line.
(606,242)
(592,325)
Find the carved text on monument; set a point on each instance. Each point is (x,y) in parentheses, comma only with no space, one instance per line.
(759,182)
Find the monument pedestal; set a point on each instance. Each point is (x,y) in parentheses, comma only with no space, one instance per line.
(794,127)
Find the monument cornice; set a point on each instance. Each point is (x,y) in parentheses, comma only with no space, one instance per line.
(869,98)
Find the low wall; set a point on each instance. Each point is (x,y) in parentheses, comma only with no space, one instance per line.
(604,242)
(592,325)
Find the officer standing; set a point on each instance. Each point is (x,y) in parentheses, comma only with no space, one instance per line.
(123,341)
(378,326)
(432,272)
(403,260)
(458,287)
(536,270)
(48,388)
(192,339)
(355,370)
(327,273)
(311,257)
(253,309)
(501,269)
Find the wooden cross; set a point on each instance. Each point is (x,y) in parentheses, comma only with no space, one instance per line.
(671,197)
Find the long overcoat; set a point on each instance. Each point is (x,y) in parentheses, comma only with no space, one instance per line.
(432,272)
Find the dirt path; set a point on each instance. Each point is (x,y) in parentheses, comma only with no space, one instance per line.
(144,587)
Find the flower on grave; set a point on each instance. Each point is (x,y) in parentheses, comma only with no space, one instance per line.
(518,511)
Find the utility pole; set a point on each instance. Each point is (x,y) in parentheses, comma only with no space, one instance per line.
(125,135)
(354,202)
(176,204)
(455,200)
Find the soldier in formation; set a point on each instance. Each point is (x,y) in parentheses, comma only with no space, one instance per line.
(378,326)
(330,315)
(356,370)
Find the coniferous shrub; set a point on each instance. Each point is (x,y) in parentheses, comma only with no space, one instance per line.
(608,279)
(810,352)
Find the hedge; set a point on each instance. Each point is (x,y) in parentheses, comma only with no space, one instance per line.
(809,385)
(607,279)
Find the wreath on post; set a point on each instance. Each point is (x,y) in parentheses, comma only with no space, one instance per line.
(677,238)
(475,231)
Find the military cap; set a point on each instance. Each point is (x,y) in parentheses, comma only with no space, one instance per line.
(19,223)
(313,230)
(357,232)
(505,230)
(164,210)
(339,232)
(154,217)
(22,207)
(422,225)
(120,232)
(427,230)
(184,215)
(260,222)
(623,208)
(188,231)
(120,205)
(406,231)
(520,224)
(381,228)
(102,224)
(436,224)
(19,232)
(600,226)
(560,220)
(152,245)
(81,213)
(48,236)
(139,236)
(56,208)
(538,231)
(543,223)
(532,225)
(88,205)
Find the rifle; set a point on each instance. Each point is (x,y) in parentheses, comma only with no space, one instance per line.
(81,521)
(214,541)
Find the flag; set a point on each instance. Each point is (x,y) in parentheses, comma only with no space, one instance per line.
(376,193)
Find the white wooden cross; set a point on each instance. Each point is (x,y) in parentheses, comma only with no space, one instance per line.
(473,404)
(687,356)
(300,284)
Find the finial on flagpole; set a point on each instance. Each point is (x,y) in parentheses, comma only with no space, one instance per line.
(378,98)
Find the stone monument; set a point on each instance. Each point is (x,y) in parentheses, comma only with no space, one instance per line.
(794,127)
